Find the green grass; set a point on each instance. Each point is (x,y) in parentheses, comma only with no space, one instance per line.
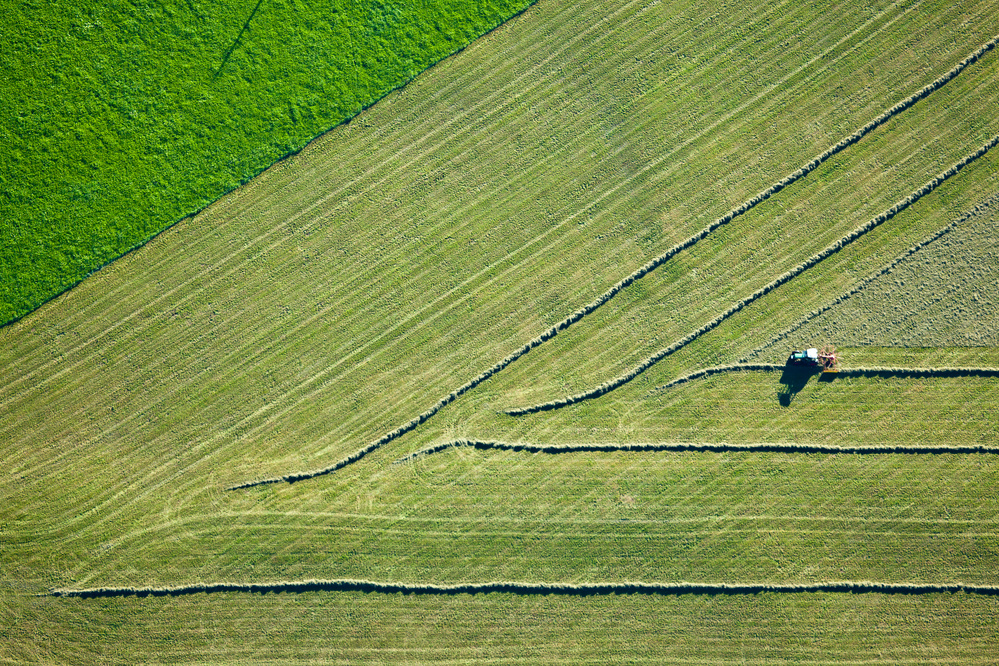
(119,119)
(350,287)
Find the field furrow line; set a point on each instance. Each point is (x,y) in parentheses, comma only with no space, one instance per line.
(647,268)
(606,387)
(685,447)
(867,281)
(526,588)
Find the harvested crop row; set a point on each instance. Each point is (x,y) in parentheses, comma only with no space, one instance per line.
(681,447)
(916,373)
(870,279)
(641,272)
(845,372)
(582,590)
(763,291)
(735,367)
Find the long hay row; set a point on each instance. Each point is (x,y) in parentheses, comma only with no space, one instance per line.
(874,371)
(581,590)
(685,447)
(606,387)
(640,272)
(979,209)
(916,373)
(720,369)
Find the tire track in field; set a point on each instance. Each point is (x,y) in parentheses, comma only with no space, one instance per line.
(684,447)
(529,589)
(979,209)
(812,261)
(650,266)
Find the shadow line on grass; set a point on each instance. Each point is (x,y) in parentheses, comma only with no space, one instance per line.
(235,43)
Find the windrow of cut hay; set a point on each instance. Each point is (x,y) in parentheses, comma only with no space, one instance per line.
(904,373)
(980,209)
(720,369)
(640,272)
(534,589)
(686,447)
(832,249)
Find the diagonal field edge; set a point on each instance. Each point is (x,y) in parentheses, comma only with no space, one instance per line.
(686,447)
(640,272)
(979,208)
(538,589)
(812,261)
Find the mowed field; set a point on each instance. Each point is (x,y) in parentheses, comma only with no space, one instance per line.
(380,316)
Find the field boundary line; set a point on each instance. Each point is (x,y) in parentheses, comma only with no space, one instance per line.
(287,155)
(640,272)
(525,588)
(687,447)
(979,208)
(812,261)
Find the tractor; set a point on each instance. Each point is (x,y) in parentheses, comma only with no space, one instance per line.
(813,358)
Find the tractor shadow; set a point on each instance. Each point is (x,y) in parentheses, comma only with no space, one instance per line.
(793,380)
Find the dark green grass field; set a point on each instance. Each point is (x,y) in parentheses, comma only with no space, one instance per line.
(120,118)
(357,285)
